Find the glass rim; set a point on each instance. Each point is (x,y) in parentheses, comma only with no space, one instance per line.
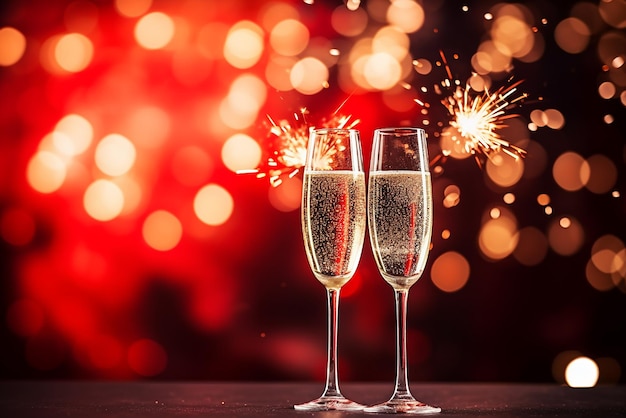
(334,130)
(396,129)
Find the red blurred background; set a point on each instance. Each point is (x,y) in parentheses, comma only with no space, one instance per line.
(130,246)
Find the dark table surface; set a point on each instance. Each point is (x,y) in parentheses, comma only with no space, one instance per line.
(218,399)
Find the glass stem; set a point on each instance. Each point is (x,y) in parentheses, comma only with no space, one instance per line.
(401,390)
(332,380)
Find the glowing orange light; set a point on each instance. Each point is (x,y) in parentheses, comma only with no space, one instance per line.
(309,76)
(132,191)
(244,44)
(597,279)
(566,171)
(422,66)
(247,94)
(605,254)
(73,52)
(607,90)
(103,200)
(450,271)
(392,41)
(498,238)
(452,196)
(213,204)
(602,174)
(46,172)
(504,169)
(407,15)
(348,22)
(240,152)
(543,199)
(13,46)
(289,37)
(162,230)
(154,30)
(115,155)
(277,72)
(382,71)
(566,235)
(132,8)
(77,130)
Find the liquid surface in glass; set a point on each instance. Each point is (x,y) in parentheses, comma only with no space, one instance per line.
(333,223)
(400,224)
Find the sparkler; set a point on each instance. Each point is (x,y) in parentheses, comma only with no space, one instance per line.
(478,117)
(288,144)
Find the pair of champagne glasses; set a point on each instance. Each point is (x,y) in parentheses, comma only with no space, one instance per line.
(397,207)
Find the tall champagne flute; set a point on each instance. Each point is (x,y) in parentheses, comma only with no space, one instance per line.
(333,228)
(400,226)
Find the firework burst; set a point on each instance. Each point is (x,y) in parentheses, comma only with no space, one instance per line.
(287,144)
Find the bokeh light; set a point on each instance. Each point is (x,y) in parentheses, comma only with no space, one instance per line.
(103,200)
(241,152)
(602,174)
(450,271)
(213,204)
(162,230)
(132,8)
(504,170)
(13,46)
(309,76)
(73,52)
(77,130)
(582,372)
(498,236)
(46,172)
(349,22)
(289,37)
(244,44)
(566,235)
(115,155)
(570,171)
(572,35)
(154,30)
(406,15)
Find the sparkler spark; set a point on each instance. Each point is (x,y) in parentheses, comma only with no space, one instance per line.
(475,117)
(288,144)
(478,119)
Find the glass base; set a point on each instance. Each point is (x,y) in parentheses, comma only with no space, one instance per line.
(402,407)
(330,403)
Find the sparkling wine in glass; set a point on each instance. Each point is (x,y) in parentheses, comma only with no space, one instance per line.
(333,228)
(400,214)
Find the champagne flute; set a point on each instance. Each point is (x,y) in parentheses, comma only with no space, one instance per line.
(333,228)
(400,226)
